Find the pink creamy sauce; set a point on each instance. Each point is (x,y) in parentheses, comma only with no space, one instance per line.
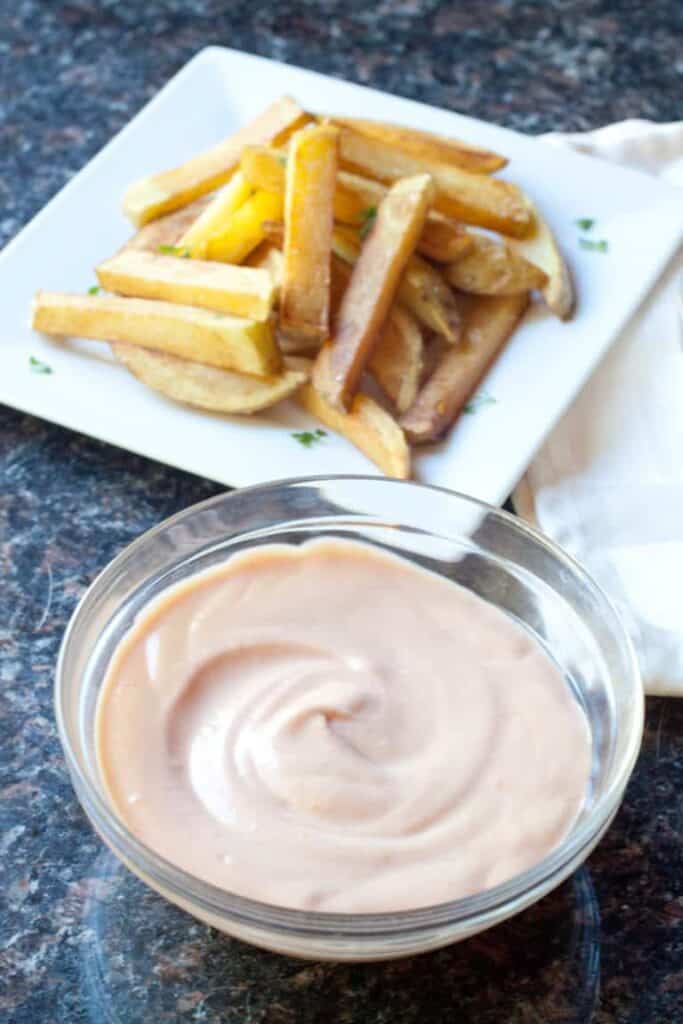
(330,727)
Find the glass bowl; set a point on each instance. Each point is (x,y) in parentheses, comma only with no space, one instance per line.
(491,553)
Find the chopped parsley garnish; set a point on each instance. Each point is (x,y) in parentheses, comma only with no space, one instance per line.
(308,438)
(478,401)
(38,366)
(588,243)
(369,216)
(282,160)
(94,289)
(585,223)
(175,250)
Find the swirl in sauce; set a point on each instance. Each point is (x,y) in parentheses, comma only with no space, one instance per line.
(331,727)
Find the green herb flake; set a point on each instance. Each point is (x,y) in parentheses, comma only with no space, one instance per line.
(94,289)
(585,223)
(37,366)
(478,401)
(175,250)
(588,243)
(368,222)
(282,160)
(307,438)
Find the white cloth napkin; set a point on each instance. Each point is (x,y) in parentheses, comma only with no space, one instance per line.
(608,483)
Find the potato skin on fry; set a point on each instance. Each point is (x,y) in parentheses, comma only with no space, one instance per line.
(396,362)
(216,339)
(488,323)
(366,424)
(426,144)
(205,387)
(494,268)
(374,282)
(422,289)
(161,193)
(309,216)
(473,198)
(540,248)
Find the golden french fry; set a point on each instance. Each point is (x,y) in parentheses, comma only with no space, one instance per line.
(165,232)
(160,193)
(494,268)
(396,362)
(488,323)
(214,217)
(374,282)
(443,239)
(244,291)
(206,387)
(309,198)
(473,198)
(244,229)
(366,425)
(422,290)
(217,339)
(541,249)
(426,145)
(264,167)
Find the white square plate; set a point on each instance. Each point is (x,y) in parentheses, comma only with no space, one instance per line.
(537,376)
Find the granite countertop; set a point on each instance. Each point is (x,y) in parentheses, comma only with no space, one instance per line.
(80,939)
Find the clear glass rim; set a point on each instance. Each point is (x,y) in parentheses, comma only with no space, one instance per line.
(221,903)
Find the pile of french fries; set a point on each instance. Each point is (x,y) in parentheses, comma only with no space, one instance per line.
(371,272)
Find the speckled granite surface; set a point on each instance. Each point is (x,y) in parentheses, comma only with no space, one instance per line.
(80,940)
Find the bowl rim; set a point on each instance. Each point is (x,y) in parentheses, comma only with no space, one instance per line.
(219,902)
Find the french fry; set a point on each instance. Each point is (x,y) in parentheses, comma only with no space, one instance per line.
(167,229)
(213,218)
(309,198)
(160,193)
(206,387)
(489,322)
(473,198)
(442,238)
(366,425)
(216,339)
(264,167)
(243,291)
(422,290)
(371,291)
(244,229)
(541,249)
(494,268)
(396,362)
(426,145)
(340,277)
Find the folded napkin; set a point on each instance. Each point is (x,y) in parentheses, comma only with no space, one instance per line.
(608,483)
